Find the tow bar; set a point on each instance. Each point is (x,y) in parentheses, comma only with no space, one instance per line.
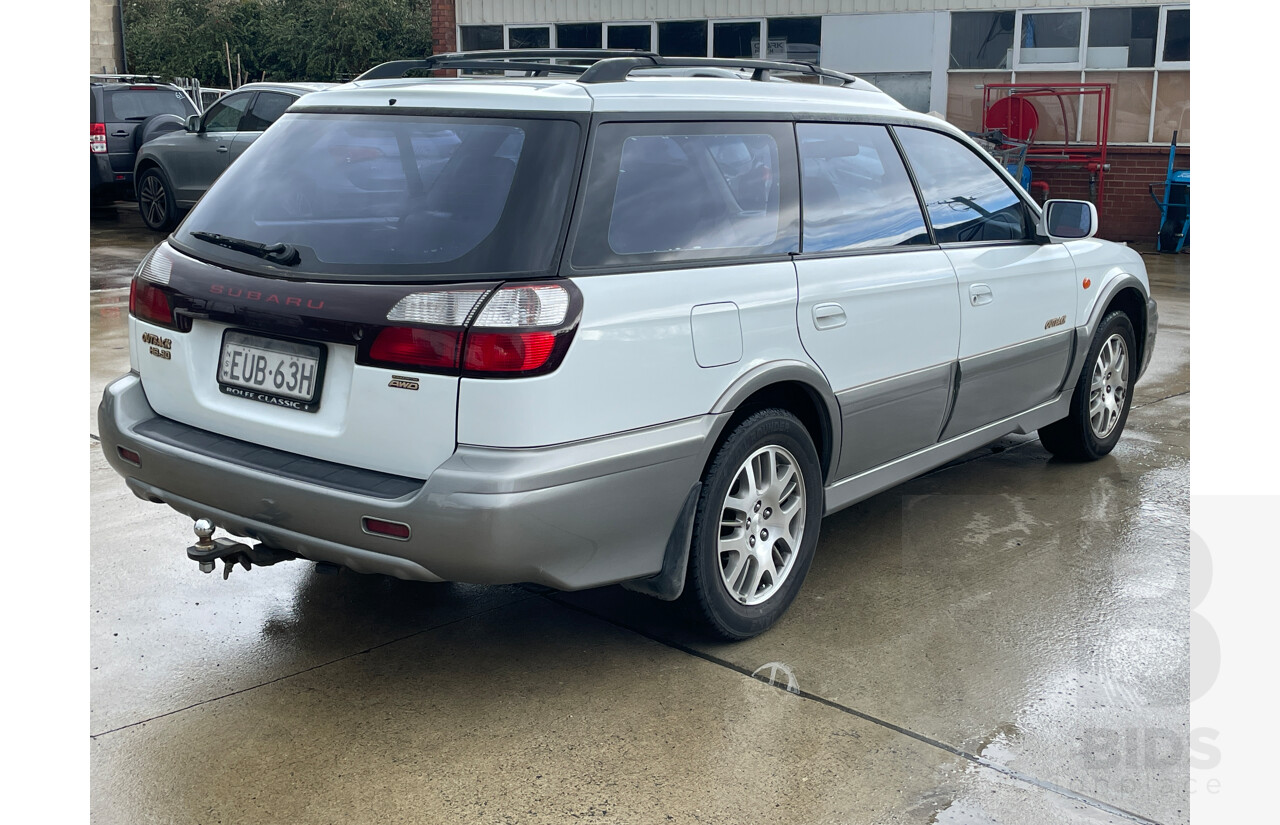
(207,550)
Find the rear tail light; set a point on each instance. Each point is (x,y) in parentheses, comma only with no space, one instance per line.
(507,332)
(149,298)
(98,138)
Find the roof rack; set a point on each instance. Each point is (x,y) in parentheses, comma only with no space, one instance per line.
(593,65)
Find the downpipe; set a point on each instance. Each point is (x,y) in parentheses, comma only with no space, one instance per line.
(207,550)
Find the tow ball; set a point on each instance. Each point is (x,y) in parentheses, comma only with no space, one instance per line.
(207,550)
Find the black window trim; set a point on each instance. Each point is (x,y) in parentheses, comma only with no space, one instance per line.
(257,95)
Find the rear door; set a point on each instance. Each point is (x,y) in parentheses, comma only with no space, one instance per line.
(879,308)
(264,111)
(1017,294)
(125,108)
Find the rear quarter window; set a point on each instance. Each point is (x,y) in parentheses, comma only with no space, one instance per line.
(661,192)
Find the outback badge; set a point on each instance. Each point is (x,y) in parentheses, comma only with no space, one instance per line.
(1055,322)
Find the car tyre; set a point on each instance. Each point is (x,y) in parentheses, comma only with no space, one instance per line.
(1103,395)
(155,201)
(756,525)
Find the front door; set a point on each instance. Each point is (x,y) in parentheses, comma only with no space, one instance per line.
(1017,294)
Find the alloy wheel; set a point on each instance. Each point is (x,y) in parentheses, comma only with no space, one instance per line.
(761,525)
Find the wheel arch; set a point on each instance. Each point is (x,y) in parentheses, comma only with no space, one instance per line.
(1129,300)
(796,387)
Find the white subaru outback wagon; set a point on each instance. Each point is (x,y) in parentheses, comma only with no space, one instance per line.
(582,318)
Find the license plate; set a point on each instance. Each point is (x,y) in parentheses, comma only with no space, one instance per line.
(270,370)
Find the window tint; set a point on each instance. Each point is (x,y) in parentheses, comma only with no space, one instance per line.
(578,35)
(385,197)
(1177,35)
(663,192)
(682,38)
(854,189)
(140,104)
(966,199)
(265,111)
(224,116)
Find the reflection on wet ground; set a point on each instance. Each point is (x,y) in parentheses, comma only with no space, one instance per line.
(1004,639)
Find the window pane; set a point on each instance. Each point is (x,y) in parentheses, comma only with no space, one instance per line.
(855,192)
(736,40)
(795,38)
(266,109)
(1173,107)
(225,114)
(695,192)
(964,97)
(966,199)
(529,37)
(685,38)
(481,38)
(981,39)
(1050,38)
(1130,106)
(578,36)
(1177,35)
(630,37)
(1120,38)
(128,104)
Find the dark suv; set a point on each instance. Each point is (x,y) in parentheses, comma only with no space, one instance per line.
(122,116)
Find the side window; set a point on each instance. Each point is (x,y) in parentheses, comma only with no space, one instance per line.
(854,189)
(224,116)
(687,192)
(265,110)
(966,199)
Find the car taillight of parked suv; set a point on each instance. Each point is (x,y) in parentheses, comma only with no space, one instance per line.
(605,323)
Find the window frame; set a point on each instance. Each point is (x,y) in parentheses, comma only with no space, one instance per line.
(1075,65)
(1161,32)
(589,229)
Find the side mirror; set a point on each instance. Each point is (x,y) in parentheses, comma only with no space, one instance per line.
(1064,220)
(193,123)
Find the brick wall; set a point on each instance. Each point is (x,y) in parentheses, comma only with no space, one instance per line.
(104,37)
(444,30)
(1127,212)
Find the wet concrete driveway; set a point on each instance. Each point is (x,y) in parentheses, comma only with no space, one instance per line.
(1002,640)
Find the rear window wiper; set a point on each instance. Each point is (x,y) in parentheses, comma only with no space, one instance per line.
(279,253)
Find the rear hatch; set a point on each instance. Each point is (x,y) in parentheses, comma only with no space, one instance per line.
(318,299)
(125,108)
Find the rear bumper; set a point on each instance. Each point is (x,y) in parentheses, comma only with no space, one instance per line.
(102,179)
(571,516)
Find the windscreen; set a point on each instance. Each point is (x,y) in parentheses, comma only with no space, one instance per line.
(378,197)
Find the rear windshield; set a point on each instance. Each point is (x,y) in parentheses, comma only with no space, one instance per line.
(140,104)
(378,197)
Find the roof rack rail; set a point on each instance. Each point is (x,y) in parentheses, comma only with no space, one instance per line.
(500,60)
(594,65)
(128,78)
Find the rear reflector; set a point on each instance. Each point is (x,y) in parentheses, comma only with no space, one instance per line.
(416,347)
(390,529)
(129,456)
(98,138)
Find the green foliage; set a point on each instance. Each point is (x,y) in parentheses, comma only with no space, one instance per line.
(287,39)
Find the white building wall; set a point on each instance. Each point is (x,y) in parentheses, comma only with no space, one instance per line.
(471,12)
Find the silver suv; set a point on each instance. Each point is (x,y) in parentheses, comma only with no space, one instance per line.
(598,319)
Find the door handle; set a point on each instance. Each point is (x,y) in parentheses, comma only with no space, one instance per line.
(121,133)
(980,294)
(829,316)
(222,148)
